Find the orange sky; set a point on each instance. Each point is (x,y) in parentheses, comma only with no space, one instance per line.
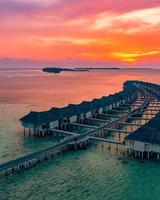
(121,31)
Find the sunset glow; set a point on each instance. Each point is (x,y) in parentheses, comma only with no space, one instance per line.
(121,31)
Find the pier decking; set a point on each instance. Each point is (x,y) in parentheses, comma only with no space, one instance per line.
(107,140)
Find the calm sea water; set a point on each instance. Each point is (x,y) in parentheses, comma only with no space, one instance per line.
(89,174)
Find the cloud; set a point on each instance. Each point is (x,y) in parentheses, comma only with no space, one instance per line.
(98,30)
(135,21)
(130,57)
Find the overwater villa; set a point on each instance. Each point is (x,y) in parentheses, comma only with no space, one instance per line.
(145,141)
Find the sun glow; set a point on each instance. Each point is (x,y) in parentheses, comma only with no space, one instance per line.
(133,57)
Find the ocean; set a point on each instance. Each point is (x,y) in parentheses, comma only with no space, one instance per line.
(89,174)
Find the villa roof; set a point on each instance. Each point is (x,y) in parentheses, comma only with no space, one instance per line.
(39,117)
(85,107)
(149,133)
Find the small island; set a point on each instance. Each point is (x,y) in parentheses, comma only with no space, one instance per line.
(58,70)
(81,69)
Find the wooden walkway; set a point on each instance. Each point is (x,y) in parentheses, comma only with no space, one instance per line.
(107,140)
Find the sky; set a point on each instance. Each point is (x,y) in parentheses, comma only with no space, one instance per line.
(80,32)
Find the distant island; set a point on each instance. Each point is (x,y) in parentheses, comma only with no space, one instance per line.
(98,68)
(84,69)
(58,70)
